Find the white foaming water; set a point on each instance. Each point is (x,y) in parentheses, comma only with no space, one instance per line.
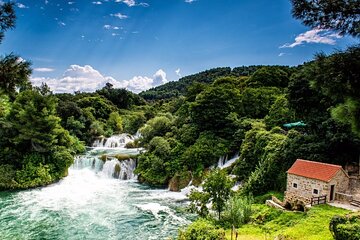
(116,141)
(225,163)
(88,204)
(123,170)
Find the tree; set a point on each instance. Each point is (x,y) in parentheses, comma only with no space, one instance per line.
(14,73)
(7,18)
(218,186)
(340,15)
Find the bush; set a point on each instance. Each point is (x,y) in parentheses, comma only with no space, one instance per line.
(238,210)
(345,228)
(202,230)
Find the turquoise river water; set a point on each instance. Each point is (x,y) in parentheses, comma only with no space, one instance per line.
(90,204)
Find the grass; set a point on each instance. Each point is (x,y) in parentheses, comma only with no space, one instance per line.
(268,223)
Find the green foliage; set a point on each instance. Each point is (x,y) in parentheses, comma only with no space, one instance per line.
(279,113)
(120,97)
(256,102)
(213,108)
(157,126)
(201,230)
(269,76)
(199,201)
(7,177)
(345,228)
(133,122)
(160,147)
(205,152)
(152,170)
(238,210)
(178,88)
(218,186)
(4,105)
(13,72)
(342,16)
(8,17)
(115,122)
(100,107)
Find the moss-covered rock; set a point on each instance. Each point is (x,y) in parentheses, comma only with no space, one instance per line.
(122,157)
(103,158)
(117,171)
(179,181)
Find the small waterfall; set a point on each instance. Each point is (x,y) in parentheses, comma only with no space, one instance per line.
(116,141)
(123,170)
(224,162)
(81,162)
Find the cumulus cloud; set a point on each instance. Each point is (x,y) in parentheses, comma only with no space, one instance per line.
(159,77)
(87,79)
(44,69)
(190,1)
(119,15)
(97,3)
(316,35)
(20,5)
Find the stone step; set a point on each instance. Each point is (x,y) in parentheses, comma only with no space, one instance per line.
(355,203)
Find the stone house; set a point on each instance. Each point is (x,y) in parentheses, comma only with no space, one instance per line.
(309,179)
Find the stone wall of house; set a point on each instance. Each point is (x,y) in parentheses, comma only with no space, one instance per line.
(341,182)
(304,190)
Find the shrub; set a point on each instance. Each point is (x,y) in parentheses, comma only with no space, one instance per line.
(345,228)
(202,230)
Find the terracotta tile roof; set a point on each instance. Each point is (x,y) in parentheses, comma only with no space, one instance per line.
(316,170)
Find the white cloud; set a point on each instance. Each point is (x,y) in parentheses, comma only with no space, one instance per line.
(177,72)
(62,24)
(44,69)
(97,3)
(108,27)
(281,54)
(87,79)
(20,5)
(316,35)
(159,77)
(119,15)
(132,3)
(190,1)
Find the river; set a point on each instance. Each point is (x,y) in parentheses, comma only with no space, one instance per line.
(90,204)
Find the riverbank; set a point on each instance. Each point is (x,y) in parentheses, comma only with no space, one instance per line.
(269,223)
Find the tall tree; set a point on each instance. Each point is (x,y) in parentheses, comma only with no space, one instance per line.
(7,18)
(340,15)
(14,73)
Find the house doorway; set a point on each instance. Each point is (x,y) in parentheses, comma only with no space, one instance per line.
(332,192)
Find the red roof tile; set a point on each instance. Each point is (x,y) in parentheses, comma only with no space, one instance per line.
(316,170)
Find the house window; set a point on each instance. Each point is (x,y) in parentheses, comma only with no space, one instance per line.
(315,191)
(295,185)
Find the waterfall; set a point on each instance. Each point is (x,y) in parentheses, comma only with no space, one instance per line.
(116,141)
(123,170)
(224,162)
(81,162)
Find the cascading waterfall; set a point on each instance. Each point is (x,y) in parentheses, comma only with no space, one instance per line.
(92,201)
(116,141)
(224,162)
(123,170)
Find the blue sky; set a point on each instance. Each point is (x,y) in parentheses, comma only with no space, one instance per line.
(137,44)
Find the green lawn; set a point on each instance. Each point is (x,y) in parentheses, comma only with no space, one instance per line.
(268,223)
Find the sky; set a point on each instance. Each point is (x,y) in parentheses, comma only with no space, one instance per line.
(80,45)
